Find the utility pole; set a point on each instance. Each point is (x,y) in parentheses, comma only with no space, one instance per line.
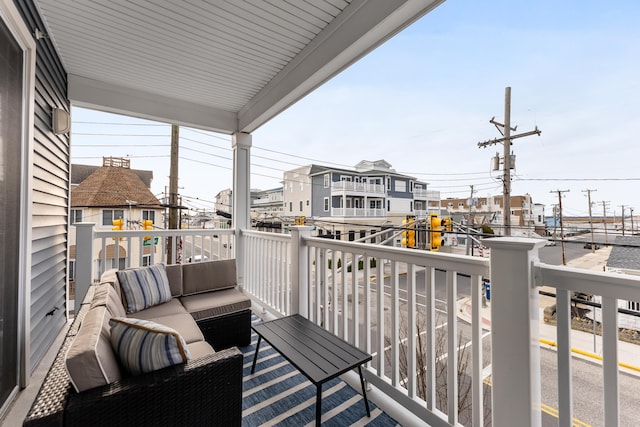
(604,220)
(507,165)
(555,222)
(564,260)
(469,223)
(622,206)
(173,190)
(593,247)
(631,214)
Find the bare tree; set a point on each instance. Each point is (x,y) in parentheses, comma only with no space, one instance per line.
(440,353)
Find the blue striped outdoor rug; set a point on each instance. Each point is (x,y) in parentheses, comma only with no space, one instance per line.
(278,395)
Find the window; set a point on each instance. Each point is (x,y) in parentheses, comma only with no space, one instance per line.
(146,260)
(418,206)
(300,205)
(450,204)
(496,202)
(461,204)
(484,202)
(326,180)
(634,305)
(326,204)
(373,239)
(149,215)
(109,215)
(388,205)
(290,206)
(76,216)
(411,186)
(388,183)
(400,186)
(338,235)
(363,234)
(410,206)
(352,235)
(307,203)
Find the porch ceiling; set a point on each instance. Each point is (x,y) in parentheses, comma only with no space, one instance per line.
(226,66)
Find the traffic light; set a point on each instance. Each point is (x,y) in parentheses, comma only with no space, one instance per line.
(147,224)
(448,225)
(409,233)
(118,224)
(436,232)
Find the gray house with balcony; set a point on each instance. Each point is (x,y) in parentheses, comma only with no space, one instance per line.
(351,201)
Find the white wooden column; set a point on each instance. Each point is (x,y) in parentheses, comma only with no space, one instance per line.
(515,325)
(241,144)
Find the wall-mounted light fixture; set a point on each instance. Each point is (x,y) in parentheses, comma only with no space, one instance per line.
(61,121)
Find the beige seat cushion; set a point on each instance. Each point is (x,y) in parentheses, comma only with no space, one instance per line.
(90,360)
(210,304)
(164,309)
(183,323)
(200,349)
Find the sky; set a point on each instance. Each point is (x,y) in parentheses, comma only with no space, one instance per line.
(423,101)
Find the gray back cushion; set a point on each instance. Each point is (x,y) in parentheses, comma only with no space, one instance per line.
(206,276)
(174,274)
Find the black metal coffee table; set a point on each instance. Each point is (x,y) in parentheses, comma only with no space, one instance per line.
(317,354)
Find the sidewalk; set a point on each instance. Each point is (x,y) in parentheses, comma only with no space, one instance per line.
(628,353)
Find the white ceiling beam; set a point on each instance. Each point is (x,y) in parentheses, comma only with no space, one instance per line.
(98,95)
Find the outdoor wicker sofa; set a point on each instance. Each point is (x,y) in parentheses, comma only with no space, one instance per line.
(86,387)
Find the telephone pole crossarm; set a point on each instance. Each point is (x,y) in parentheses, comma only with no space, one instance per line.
(500,140)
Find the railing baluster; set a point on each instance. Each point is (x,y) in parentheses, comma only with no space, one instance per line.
(476,351)
(563,328)
(430,343)
(412,330)
(355,315)
(395,324)
(610,361)
(380,317)
(452,352)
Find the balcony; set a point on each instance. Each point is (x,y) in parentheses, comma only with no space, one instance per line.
(358,213)
(423,194)
(375,296)
(357,189)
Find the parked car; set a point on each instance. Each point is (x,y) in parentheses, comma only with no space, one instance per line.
(588,245)
(198,258)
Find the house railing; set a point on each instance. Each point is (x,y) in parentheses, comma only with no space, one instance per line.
(358,187)
(358,212)
(99,250)
(401,305)
(374,297)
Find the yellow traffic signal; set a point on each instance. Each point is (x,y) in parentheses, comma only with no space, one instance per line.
(448,225)
(147,224)
(436,232)
(409,233)
(118,224)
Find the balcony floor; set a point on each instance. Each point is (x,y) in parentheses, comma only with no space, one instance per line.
(278,394)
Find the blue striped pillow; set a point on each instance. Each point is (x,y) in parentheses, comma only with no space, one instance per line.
(144,287)
(145,346)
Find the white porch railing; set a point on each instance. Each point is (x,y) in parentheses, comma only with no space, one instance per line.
(357,187)
(358,212)
(99,250)
(374,296)
(354,291)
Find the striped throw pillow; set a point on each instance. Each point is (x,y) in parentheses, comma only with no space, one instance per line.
(144,287)
(145,346)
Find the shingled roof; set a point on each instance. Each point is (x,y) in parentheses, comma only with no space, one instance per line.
(81,172)
(112,186)
(626,253)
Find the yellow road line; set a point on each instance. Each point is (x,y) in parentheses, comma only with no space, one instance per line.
(591,355)
(549,409)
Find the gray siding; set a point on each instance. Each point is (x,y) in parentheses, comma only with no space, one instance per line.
(318,193)
(50,195)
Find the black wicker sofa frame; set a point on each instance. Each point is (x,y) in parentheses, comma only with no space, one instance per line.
(203,391)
